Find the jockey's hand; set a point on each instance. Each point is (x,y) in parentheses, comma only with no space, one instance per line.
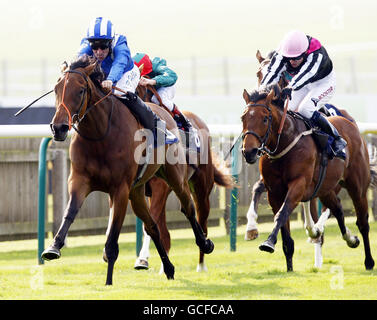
(107,84)
(286,93)
(145,81)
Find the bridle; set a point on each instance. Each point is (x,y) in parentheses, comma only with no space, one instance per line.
(263,140)
(75,119)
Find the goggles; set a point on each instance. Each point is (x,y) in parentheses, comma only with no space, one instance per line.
(297,58)
(99,45)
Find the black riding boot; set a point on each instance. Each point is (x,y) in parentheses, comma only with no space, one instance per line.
(148,118)
(326,126)
(181,120)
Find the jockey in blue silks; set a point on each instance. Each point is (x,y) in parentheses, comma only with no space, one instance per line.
(112,51)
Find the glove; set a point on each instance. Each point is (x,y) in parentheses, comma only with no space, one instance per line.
(107,84)
(286,93)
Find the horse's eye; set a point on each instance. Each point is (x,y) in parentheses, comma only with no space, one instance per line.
(265,119)
(81,92)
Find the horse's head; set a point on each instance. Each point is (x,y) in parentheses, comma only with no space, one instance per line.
(262,70)
(72,95)
(257,122)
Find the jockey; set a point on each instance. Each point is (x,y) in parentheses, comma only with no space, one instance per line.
(312,80)
(112,51)
(163,79)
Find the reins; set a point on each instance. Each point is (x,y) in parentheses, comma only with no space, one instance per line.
(263,148)
(72,118)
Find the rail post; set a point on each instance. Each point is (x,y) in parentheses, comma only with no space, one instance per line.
(42,197)
(139,235)
(234,197)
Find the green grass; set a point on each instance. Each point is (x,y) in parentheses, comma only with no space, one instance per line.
(245,274)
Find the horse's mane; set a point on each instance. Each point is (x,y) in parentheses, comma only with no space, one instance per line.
(263,92)
(97,76)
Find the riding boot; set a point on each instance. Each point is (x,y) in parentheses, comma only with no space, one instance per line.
(327,127)
(191,134)
(145,115)
(181,120)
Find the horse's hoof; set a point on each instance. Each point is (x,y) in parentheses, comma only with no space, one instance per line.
(251,234)
(51,253)
(208,247)
(169,271)
(369,264)
(141,264)
(267,246)
(354,244)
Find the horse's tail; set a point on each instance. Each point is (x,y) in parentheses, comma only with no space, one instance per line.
(222,175)
(373,168)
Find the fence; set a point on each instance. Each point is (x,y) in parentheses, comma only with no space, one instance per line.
(19,192)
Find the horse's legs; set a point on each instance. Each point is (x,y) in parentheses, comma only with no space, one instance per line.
(177,180)
(160,193)
(252,215)
(361,206)
(77,194)
(294,194)
(288,245)
(140,208)
(141,262)
(202,184)
(119,208)
(332,202)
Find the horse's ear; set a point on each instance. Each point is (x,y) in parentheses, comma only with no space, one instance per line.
(259,57)
(90,68)
(273,95)
(63,66)
(246,96)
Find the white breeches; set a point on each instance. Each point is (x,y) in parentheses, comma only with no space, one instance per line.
(129,81)
(167,95)
(322,90)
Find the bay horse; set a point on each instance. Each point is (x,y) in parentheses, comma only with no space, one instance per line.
(202,178)
(259,188)
(292,177)
(106,155)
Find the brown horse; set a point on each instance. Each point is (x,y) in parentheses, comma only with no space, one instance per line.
(259,187)
(292,178)
(105,156)
(201,180)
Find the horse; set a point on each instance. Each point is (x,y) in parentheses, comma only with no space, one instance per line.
(259,188)
(202,178)
(290,182)
(106,155)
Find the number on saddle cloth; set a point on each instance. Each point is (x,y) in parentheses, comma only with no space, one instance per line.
(190,139)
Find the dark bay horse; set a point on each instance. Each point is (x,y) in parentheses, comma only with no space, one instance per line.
(292,178)
(259,187)
(202,177)
(105,156)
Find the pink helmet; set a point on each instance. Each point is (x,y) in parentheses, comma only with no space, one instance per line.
(294,44)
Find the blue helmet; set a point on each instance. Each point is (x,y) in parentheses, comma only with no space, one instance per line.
(100,29)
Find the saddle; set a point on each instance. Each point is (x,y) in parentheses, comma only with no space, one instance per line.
(322,140)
